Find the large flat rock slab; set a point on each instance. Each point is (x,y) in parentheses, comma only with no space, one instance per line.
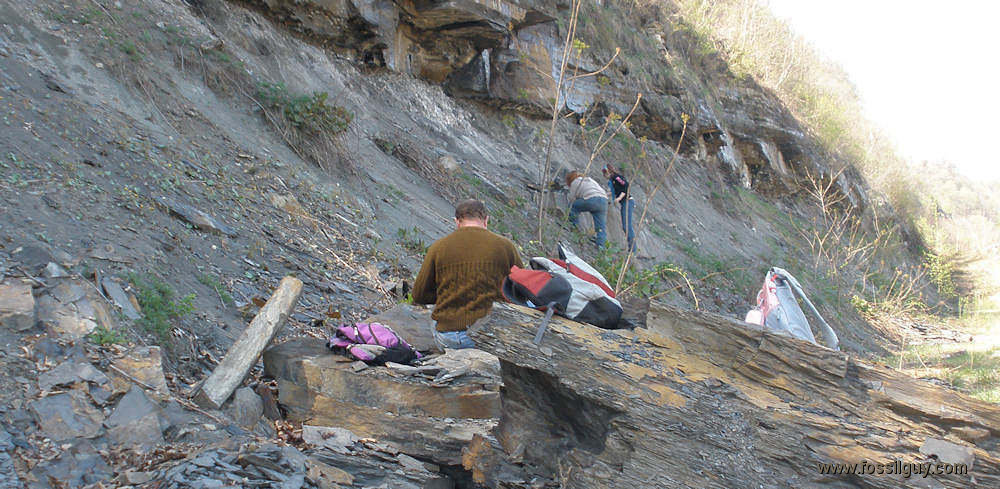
(420,417)
(307,362)
(439,439)
(701,400)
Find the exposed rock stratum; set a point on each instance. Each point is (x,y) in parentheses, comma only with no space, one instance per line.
(701,400)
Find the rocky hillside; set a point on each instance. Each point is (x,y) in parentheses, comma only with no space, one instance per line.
(332,139)
(175,159)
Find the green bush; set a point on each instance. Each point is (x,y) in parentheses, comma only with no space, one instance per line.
(941,272)
(309,113)
(159,306)
(104,336)
(643,282)
(864,308)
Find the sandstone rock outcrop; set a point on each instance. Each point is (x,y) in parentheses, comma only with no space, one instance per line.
(428,39)
(321,388)
(701,400)
(508,53)
(143,364)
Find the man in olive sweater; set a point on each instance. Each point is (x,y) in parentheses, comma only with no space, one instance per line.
(462,273)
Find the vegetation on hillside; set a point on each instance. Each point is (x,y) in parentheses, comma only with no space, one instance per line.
(924,244)
(949,212)
(954,221)
(160,305)
(970,366)
(936,216)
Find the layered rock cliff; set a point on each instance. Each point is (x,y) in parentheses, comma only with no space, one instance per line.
(699,400)
(508,54)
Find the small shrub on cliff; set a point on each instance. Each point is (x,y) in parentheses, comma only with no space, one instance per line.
(410,240)
(940,269)
(309,113)
(636,282)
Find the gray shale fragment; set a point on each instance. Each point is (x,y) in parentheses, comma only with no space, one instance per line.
(135,422)
(67,415)
(197,218)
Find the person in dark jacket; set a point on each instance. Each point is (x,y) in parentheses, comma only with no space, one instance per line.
(619,192)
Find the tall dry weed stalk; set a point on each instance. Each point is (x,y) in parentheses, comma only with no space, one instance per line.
(570,45)
(837,238)
(847,253)
(649,177)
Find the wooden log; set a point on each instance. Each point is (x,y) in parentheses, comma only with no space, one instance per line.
(244,353)
(701,400)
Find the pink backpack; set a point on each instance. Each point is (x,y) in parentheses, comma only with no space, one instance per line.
(372,343)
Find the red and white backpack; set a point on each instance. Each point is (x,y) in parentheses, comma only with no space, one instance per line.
(576,290)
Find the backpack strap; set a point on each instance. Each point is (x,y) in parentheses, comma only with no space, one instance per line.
(362,352)
(373,335)
(549,309)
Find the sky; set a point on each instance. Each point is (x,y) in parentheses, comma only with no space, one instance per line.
(928,72)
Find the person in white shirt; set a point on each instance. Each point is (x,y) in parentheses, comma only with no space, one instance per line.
(586,195)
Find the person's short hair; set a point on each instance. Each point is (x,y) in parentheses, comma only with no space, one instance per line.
(573,175)
(470,209)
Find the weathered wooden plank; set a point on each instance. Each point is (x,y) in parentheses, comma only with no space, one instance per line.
(228,375)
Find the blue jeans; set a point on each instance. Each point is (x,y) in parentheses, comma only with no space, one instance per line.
(627,207)
(453,340)
(598,209)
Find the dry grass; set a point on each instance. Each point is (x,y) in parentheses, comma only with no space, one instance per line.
(971,367)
